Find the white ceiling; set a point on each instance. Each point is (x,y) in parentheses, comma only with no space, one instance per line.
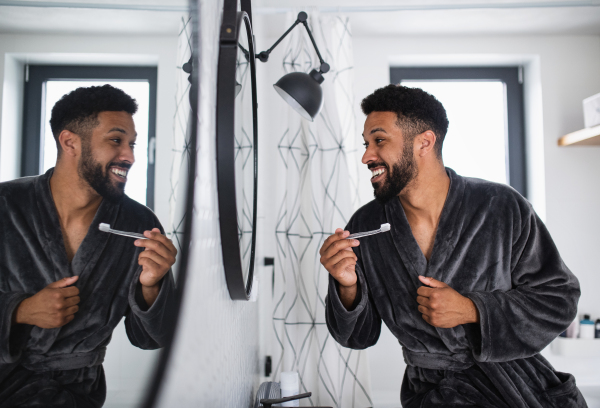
(159,17)
(368,17)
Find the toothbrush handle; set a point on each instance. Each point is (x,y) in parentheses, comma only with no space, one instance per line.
(363,234)
(128,234)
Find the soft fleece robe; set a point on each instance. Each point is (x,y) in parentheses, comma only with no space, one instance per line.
(491,247)
(62,367)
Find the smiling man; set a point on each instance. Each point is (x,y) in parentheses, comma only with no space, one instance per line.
(64,284)
(468,279)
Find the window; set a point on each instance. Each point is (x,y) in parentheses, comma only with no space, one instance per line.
(485,108)
(45,85)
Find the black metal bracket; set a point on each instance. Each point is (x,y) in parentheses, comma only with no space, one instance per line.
(302,19)
(267,403)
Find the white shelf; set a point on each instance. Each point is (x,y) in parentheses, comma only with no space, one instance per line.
(566,347)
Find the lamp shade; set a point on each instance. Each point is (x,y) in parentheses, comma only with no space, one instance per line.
(302,92)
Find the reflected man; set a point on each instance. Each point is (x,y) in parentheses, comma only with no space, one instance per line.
(64,284)
(468,279)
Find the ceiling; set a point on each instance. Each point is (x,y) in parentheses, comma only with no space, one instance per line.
(368,17)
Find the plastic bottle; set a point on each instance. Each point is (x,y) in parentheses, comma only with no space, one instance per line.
(586,328)
(290,385)
(598,328)
(573,329)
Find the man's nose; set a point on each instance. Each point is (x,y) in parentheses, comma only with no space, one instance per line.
(127,155)
(369,156)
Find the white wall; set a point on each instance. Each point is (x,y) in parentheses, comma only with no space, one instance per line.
(160,51)
(127,368)
(561,72)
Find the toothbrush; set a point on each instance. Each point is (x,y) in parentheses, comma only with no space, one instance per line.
(106,228)
(384,228)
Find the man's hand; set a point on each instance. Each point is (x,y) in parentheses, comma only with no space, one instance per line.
(444,307)
(156,260)
(340,261)
(52,307)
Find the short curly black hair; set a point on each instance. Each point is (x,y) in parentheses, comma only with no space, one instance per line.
(78,110)
(417,111)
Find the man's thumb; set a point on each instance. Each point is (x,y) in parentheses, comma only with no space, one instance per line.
(432,282)
(64,282)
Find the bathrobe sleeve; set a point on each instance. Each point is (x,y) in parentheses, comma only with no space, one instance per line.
(358,328)
(520,322)
(12,337)
(148,327)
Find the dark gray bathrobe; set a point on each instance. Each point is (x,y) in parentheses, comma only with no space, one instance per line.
(62,367)
(491,247)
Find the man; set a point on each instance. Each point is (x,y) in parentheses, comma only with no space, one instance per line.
(468,279)
(64,284)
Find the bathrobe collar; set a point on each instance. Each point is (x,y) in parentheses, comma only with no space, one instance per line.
(446,235)
(91,247)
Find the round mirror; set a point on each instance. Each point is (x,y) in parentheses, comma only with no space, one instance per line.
(236,151)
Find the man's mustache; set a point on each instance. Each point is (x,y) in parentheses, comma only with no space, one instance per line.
(124,165)
(378,164)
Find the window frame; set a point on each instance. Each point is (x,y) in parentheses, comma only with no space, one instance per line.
(35,78)
(512,77)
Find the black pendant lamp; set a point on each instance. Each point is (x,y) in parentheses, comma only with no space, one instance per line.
(300,90)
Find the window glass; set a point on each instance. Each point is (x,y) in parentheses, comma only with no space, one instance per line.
(140,91)
(476,142)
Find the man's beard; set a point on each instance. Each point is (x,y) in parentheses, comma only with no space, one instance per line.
(98,178)
(402,173)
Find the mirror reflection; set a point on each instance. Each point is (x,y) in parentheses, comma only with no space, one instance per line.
(96,154)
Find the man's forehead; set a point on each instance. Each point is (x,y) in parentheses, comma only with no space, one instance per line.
(117,121)
(380,122)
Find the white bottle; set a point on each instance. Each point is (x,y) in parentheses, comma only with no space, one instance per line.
(290,385)
(586,328)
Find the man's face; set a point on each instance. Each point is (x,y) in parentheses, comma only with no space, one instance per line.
(107,155)
(388,155)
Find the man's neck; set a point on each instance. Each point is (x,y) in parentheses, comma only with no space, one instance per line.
(425,195)
(74,199)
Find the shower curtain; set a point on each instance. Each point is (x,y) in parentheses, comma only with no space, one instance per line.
(317,193)
(180,153)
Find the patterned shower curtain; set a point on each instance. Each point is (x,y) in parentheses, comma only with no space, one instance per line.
(180,150)
(318,193)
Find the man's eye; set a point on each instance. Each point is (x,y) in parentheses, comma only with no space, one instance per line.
(132,145)
(378,141)
(365,145)
(117,140)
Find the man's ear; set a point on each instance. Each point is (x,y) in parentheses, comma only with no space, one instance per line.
(425,143)
(70,143)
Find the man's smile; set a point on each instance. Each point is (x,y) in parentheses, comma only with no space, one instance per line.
(120,173)
(377,173)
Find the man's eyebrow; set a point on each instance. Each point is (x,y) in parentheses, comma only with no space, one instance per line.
(120,130)
(117,129)
(375,131)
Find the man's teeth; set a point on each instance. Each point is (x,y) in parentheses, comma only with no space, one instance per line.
(119,172)
(377,172)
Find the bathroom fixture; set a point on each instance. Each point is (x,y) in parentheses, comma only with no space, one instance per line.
(300,90)
(268,403)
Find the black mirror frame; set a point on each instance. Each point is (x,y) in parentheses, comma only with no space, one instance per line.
(233,23)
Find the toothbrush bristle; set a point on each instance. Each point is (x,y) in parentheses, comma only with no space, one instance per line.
(104,227)
(385,227)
